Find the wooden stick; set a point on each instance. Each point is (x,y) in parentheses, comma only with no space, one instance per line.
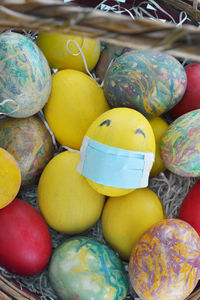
(194,296)
(12,290)
(184,6)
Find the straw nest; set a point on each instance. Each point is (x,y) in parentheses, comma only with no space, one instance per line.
(181,41)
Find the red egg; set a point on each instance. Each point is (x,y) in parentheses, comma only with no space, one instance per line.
(25,241)
(191,98)
(190,208)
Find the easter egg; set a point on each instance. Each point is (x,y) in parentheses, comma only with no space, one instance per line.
(121,128)
(180,148)
(75,102)
(159,127)
(25,76)
(24,238)
(82,268)
(63,51)
(191,99)
(108,55)
(30,143)
(190,207)
(66,200)
(126,218)
(10,176)
(165,263)
(148,81)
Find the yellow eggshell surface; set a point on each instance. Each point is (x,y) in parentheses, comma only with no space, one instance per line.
(126,129)
(61,51)
(165,263)
(159,127)
(66,200)
(75,102)
(10,178)
(126,218)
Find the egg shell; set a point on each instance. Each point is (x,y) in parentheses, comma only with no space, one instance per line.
(10,178)
(24,238)
(126,129)
(63,50)
(190,207)
(180,148)
(108,55)
(159,127)
(66,200)
(25,76)
(191,98)
(30,143)
(165,263)
(126,218)
(148,81)
(76,101)
(82,268)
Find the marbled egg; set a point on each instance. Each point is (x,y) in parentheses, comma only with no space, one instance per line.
(30,143)
(82,268)
(108,55)
(148,81)
(25,76)
(165,263)
(180,146)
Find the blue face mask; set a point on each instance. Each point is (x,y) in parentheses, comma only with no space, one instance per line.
(114,166)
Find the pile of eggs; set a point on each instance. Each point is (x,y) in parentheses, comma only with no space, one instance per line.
(116,137)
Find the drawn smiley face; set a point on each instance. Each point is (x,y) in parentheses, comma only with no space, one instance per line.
(122,128)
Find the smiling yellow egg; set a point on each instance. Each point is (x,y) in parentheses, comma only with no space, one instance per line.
(122,132)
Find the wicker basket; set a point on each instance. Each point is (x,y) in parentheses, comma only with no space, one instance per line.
(136,32)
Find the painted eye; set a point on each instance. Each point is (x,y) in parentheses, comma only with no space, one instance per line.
(106,122)
(140,131)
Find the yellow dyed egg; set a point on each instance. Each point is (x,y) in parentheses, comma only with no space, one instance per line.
(159,127)
(123,128)
(126,218)
(10,178)
(66,200)
(62,51)
(75,102)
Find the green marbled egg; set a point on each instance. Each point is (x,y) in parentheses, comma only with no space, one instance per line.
(148,81)
(83,268)
(25,76)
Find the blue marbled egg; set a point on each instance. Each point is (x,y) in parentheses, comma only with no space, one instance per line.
(25,76)
(83,268)
(149,81)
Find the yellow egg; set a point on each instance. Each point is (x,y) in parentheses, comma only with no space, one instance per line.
(66,200)
(126,218)
(123,128)
(10,178)
(159,127)
(75,102)
(61,51)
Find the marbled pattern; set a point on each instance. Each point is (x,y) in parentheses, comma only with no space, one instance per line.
(149,81)
(83,268)
(30,143)
(108,55)
(165,263)
(180,146)
(25,76)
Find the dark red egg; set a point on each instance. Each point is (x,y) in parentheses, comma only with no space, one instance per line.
(191,98)
(25,241)
(190,208)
